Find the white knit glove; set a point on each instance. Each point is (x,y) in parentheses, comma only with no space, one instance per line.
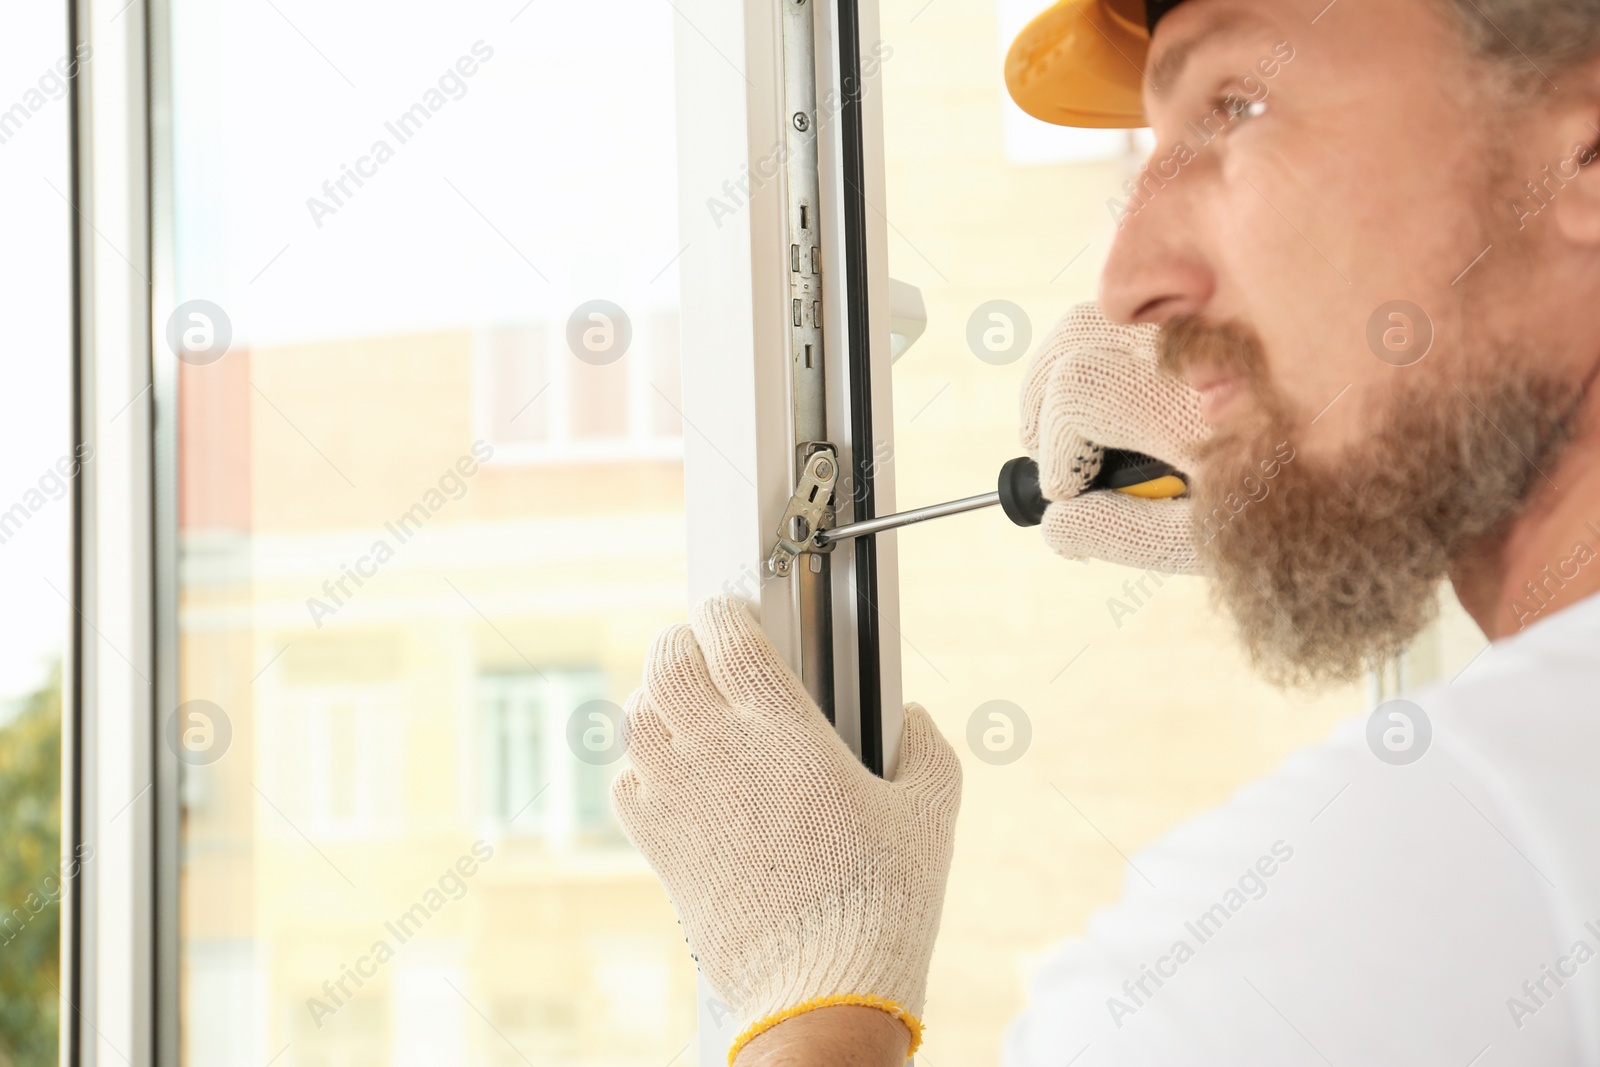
(801,880)
(1094,385)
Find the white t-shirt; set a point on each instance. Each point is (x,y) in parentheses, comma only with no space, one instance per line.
(1349,912)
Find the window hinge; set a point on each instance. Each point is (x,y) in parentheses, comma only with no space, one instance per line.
(810,509)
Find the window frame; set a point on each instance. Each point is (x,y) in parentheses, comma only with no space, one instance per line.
(733,306)
(120,934)
(733,328)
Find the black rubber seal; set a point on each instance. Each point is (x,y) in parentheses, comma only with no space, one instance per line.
(854,211)
(72,709)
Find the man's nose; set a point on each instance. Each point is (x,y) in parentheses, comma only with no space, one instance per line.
(1154,272)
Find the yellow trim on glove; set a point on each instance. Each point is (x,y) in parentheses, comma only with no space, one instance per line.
(761,1026)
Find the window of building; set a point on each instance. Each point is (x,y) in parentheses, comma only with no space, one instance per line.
(538,404)
(339,759)
(537,729)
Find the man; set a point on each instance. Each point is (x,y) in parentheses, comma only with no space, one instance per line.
(1368,243)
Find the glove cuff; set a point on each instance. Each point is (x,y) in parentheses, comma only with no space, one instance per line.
(762,1025)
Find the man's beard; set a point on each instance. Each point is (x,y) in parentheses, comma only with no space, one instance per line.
(1329,565)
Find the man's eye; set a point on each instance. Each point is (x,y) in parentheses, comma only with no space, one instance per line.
(1239,108)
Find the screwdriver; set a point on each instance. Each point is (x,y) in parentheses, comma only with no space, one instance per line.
(1019,495)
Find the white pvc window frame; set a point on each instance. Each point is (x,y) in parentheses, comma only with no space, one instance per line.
(738,440)
(119,784)
(120,796)
(738,444)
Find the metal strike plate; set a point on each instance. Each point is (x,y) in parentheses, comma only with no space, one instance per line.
(808,511)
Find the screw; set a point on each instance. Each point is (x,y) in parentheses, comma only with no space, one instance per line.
(801,123)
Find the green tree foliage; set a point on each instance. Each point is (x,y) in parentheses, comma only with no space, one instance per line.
(30,880)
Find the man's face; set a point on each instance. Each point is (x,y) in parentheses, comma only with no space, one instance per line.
(1361,168)
(1327,228)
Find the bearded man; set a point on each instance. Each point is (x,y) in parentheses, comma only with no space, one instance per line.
(1393,391)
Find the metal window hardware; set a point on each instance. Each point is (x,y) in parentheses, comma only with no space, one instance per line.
(810,509)
(816,463)
(817,245)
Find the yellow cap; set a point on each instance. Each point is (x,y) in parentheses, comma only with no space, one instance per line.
(1081,63)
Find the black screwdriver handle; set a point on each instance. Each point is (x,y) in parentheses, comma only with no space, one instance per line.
(1121,469)
(1020,496)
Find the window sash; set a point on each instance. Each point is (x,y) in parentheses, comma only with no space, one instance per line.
(121,934)
(738,436)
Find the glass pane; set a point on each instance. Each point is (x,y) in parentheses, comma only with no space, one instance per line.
(39,461)
(431,511)
(1141,707)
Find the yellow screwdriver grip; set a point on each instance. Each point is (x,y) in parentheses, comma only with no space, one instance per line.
(1163,488)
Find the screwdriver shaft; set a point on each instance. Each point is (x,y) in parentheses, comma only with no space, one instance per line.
(905,518)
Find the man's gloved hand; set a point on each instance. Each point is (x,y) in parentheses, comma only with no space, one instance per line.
(1094,385)
(801,880)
